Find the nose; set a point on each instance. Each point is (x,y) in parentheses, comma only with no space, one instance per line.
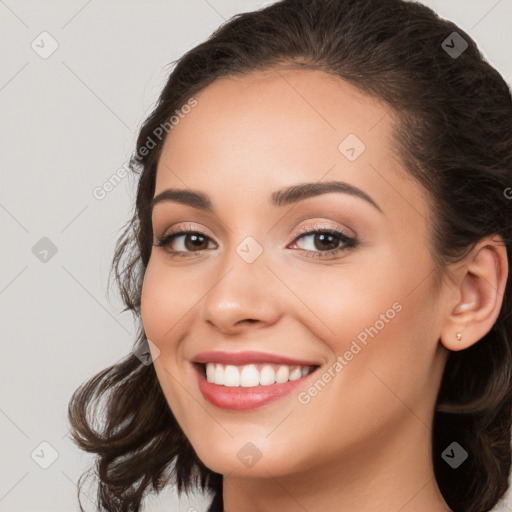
(244,296)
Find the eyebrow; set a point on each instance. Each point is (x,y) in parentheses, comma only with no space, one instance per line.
(283,197)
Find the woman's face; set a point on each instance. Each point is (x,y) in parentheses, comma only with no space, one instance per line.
(253,290)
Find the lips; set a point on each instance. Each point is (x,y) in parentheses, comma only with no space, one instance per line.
(248,357)
(247,380)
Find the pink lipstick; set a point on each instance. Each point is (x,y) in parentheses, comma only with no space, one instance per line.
(247,380)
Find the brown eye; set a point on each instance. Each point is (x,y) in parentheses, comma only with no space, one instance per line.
(325,241)
(322,242)
(184,241)
(194,242)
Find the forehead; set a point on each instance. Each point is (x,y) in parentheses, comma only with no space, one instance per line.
(290,106)
(280,126)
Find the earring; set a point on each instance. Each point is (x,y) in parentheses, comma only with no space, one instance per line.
(459,336)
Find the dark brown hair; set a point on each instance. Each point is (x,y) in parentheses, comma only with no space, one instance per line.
(453,133)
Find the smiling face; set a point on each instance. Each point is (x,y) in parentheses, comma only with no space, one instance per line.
(355,301)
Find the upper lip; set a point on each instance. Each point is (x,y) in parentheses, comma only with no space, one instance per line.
(248,357)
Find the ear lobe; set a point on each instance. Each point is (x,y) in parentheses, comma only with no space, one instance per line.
(481,285)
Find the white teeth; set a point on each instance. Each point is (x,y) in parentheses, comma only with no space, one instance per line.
(267,375)
(218,378)
(282,374)
(210,372)
(231,376)
(296,373)
(248,376)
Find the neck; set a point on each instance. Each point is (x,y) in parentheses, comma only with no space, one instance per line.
(390,473)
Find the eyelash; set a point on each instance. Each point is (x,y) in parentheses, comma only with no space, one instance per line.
(349,242)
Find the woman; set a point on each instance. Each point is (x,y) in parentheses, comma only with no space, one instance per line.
(319,262)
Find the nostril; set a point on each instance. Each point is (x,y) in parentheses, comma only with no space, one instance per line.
(251,320)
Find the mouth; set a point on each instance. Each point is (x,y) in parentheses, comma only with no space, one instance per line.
(252,375)
(242,381)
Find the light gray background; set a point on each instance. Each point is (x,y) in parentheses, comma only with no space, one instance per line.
(67,124)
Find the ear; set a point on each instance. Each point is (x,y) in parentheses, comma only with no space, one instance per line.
(479,284)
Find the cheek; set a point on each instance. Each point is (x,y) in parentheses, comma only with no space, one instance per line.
(380,318)
(155,306)
(387,337)
(166,299)
(165,302)
(384,375)
(348,299)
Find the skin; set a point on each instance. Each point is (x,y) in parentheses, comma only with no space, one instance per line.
(363,442)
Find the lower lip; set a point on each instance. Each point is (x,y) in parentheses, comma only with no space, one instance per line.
(241,398)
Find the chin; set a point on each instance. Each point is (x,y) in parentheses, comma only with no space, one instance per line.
(257,458)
